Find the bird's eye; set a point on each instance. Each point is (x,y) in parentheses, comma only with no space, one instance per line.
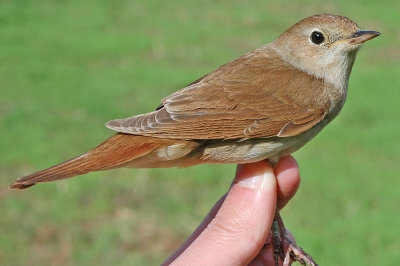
(317,37)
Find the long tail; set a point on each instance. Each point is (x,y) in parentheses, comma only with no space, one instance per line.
(115,151)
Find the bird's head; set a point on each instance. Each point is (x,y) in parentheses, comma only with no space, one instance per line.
(324,46)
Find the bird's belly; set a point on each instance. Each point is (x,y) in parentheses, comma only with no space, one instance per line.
(253,150)
(224,151)
(244,151)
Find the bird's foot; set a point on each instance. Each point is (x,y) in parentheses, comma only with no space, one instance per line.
(295,253)
(284,248)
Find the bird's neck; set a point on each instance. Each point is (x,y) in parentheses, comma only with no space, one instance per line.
(333,68)
(334,73)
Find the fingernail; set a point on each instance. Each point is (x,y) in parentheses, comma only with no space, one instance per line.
(263,180)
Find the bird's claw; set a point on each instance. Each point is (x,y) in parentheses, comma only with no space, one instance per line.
(295,253)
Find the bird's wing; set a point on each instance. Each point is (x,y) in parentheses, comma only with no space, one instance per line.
(256,95)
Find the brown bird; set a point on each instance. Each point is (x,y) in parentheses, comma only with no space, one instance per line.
(263,105)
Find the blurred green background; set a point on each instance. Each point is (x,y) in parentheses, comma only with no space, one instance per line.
(67,67)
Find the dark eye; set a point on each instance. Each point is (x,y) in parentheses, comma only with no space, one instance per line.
(317,37)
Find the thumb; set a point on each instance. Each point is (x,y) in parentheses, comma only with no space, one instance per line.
(241,226)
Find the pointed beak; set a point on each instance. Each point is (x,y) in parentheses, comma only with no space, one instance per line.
(362,36)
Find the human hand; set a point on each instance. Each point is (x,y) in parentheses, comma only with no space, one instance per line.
(238,226)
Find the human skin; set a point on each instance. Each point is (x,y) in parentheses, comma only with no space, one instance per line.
(237,228)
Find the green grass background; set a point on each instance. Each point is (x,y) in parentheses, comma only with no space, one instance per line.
(67,67)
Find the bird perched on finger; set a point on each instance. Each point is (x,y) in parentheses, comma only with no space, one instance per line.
(263,105)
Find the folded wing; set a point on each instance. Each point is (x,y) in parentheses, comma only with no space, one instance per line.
(256,95)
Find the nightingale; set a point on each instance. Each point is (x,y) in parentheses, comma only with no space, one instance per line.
(263,105)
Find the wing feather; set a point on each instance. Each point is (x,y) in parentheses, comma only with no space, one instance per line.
(256,95)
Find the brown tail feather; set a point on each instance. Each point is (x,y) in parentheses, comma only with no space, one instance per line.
(115,151)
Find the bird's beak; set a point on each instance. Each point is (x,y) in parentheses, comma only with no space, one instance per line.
(362,36)
(358,37)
